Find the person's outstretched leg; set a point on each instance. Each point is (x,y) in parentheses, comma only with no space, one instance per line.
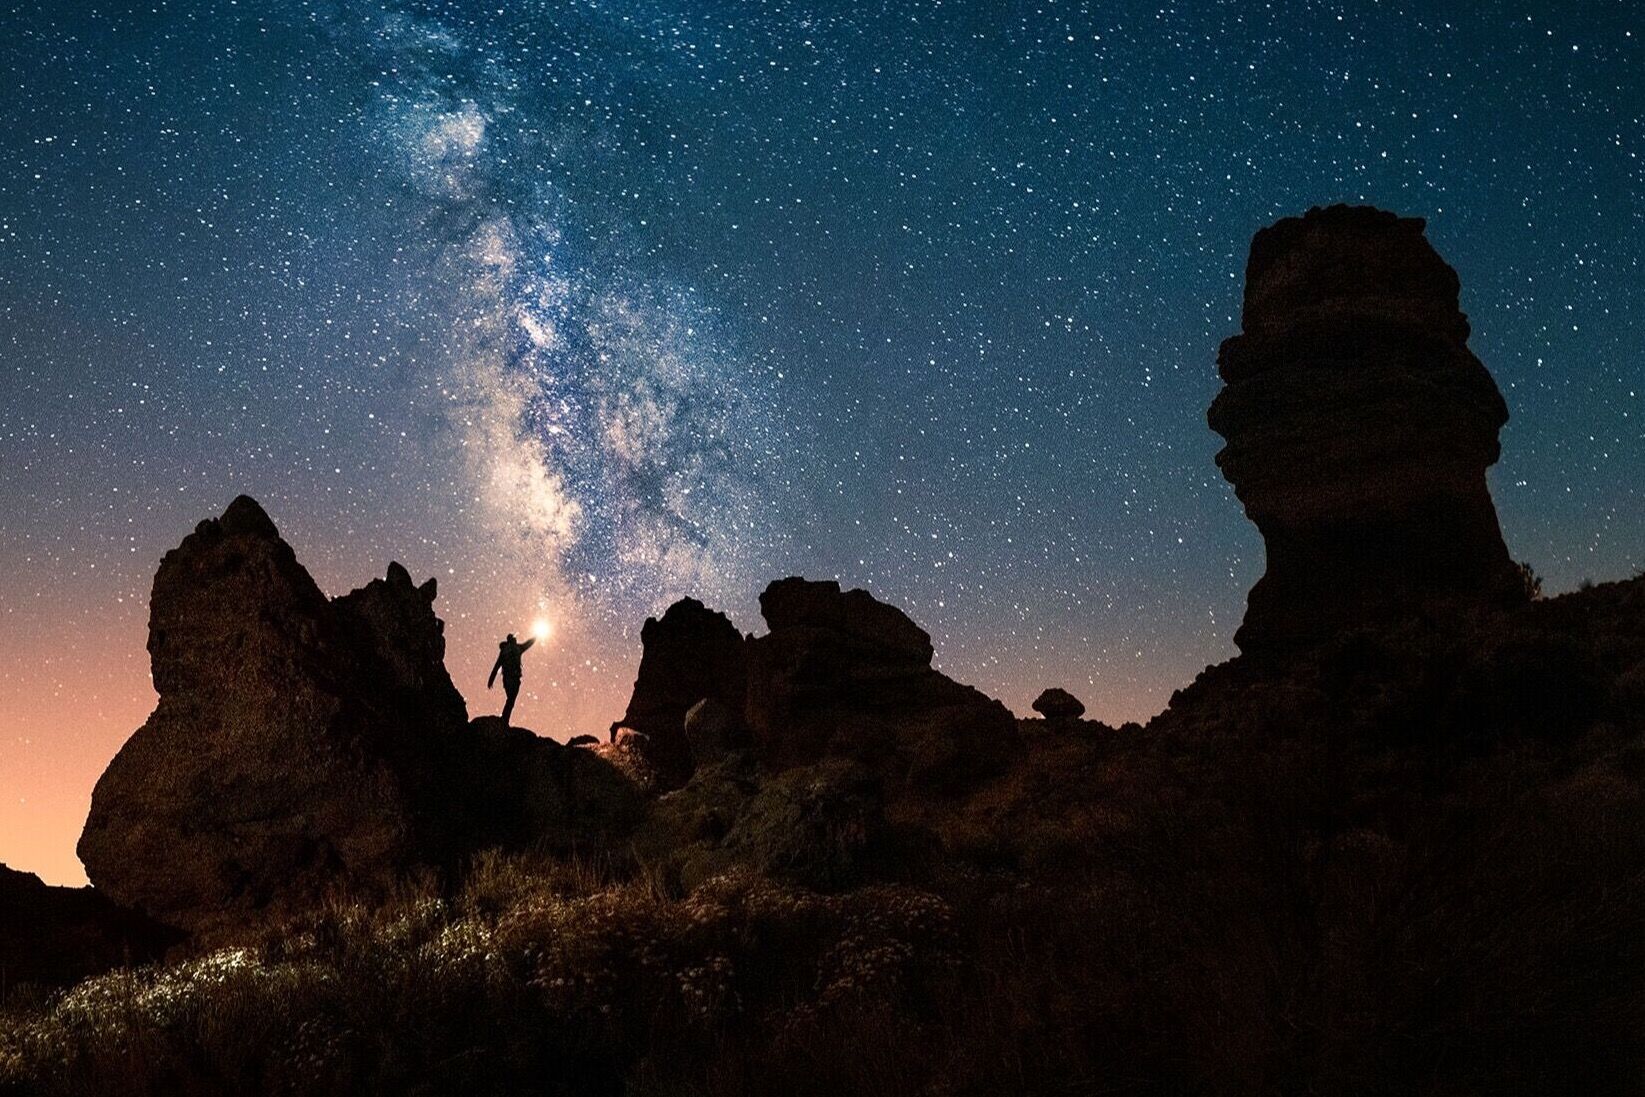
(508,706)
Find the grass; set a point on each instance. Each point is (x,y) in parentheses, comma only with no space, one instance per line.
(538,977)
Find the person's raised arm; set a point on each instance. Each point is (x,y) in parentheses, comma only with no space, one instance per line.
(528,643)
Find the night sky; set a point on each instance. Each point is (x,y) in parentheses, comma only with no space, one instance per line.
(582,307)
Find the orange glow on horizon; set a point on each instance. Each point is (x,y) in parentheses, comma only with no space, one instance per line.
(74,685)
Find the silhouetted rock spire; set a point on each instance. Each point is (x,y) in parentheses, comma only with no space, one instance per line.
(1359,429)
(690,653)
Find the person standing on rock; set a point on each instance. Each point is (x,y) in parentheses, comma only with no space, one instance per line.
(508,661)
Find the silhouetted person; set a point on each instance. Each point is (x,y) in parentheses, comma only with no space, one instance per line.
(508,661)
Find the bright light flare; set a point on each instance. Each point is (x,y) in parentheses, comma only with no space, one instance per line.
(540,628)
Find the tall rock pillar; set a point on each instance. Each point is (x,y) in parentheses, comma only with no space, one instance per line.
(1359,428)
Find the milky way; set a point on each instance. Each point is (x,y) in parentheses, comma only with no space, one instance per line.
(581,306)
(621,450)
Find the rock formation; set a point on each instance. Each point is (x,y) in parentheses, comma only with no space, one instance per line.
(843,675)
(1359,428)
(839,675)
(498,785)
(690,653)
(1058,706)
(300,743)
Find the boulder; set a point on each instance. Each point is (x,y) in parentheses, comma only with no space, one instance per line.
(843,675)
(682,834)
(1359,427)
(302,744)
(1058,706)
(505,786)
(881,633)
(689,653)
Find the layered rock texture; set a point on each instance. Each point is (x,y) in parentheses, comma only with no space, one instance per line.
(302,743)
(1359,428)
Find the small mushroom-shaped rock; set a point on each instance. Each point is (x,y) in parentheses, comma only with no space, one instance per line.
(1059,706)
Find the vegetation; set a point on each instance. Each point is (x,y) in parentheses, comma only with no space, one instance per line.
(537,977)
(1136,913)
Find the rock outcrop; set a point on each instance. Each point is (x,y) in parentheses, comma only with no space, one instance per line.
(690,653)
(498,785)
(839,675)
(302,744)
(54,935)
(843,675)
(1554,670)
(1058,706)
(630,753)
(1359,428)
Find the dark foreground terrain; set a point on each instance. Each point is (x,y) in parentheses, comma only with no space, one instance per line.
(1394,847)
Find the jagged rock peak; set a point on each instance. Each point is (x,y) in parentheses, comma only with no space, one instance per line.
(1359,428)
(246,515)
(302,744)
(690,653)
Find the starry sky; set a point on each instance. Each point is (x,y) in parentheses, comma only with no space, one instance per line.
(583,306)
